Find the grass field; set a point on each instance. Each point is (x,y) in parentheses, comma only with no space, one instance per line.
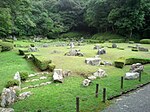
(59,97)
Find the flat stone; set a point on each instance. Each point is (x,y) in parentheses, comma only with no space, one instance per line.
(93,61)
(131,76)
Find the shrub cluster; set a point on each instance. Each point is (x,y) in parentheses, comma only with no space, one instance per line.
(132,60)
(51,67)
(12,83)
(24,76)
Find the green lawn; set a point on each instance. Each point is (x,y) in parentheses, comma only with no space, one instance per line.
(59,97)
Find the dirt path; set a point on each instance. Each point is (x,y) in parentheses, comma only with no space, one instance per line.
(138,101)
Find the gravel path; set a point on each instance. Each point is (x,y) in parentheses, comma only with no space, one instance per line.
(138,101)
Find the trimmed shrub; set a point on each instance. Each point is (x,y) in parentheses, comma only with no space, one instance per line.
(94,41)
(145,41)
(131,42)
(51,67)
(130,61)
(23,76)
(117,40)
(32,45)
(6,46)
(41,62)
(135,49)
(12,83)
(9,40)
(72,35)
(22,51)
(119,63)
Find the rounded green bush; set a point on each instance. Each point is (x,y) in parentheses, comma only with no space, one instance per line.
(24,76)
(145,41)
(12,83)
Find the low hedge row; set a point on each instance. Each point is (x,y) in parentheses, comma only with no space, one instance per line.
(6,46)
(119,63)
(41,62)
(117,41)
(145,41)
(133,60)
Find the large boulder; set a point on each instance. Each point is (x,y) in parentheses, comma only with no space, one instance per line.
(138,67)
(6,110)
(92,77)
(101,51)
(93,61)
(18,78)
(86,82)
(100,73)
(131,76)
(8,96)
(58,75)
(74,52)
(33,49)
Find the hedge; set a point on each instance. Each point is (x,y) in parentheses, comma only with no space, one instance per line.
(119,63)
(117,40)
(12,83)
(145,41)
(41,62)
(6,46)
(132,60)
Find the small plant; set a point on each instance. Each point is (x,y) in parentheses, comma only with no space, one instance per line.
(24,76)
(12,83)
(32,45)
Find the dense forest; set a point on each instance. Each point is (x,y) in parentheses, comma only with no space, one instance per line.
(53,17)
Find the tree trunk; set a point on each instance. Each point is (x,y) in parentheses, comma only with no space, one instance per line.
(130,33)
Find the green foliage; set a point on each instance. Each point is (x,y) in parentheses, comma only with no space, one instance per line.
(117,40)
(133,60)
(24,76)
(6,46)
(71,35)
(51,67)
(12,83)
(145,41)
(8,40)
(120,48)
(0,48)
(131,42)
(41,62)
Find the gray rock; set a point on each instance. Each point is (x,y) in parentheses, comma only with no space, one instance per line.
(45,45)
(143,49)
(33,49)
(114,45)
(8,96)
(6,110)
(58,75)
(131,76)
(97,47)
(138,67)
(92,77)
(66,73)
(86,82)
(24,95)
(93,61)
(18,78)
(105,63)
(101,51)
(71,45)
(100,73)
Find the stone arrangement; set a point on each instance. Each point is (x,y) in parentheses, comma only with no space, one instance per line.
(93,61)
(134,72)
(74,52)
(100,73)
(86,82)
(33,49)
(7,110)
(97,47)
